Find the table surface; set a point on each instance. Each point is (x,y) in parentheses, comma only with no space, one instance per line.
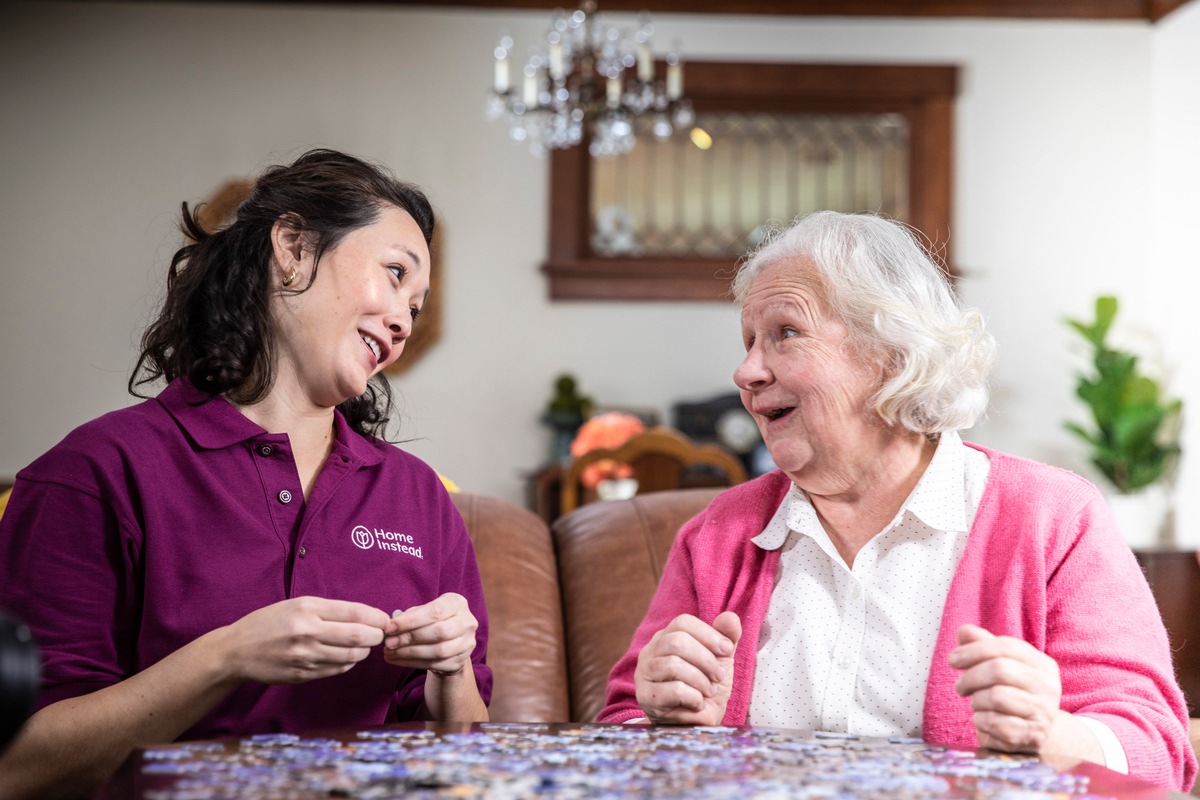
(593,762)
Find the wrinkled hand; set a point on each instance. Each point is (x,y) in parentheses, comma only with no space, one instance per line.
(685,672)
(1015,690)
(302,639)
(438,636)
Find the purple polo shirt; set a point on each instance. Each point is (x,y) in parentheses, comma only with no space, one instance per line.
(152,525)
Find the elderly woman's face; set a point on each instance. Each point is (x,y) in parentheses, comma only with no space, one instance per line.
(800,380)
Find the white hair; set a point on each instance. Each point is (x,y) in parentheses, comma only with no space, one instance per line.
(875,278)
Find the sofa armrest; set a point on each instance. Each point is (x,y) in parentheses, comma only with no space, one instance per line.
(520,584)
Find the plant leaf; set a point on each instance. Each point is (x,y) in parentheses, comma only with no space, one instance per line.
(1136,431)
(1106,312)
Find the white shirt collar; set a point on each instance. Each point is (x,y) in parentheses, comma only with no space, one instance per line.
(937,499)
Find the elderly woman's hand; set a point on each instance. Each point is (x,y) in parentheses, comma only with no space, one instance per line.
(685,672)
(438,636)
(1015,690)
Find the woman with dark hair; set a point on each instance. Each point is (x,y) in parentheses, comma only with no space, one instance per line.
(241,554)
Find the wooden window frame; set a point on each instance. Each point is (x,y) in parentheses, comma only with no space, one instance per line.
(923,94)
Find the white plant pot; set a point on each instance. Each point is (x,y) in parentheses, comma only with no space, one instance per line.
(617,488)
(1141,516)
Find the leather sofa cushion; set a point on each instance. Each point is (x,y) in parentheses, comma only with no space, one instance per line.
(610,558)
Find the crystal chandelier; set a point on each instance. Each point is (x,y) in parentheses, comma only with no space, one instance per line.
(587,78)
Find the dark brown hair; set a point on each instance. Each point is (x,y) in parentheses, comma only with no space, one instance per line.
(215,327)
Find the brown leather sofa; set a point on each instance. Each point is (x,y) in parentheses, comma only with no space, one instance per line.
(563,605)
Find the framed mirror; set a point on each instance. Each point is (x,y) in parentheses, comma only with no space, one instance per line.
(669,220)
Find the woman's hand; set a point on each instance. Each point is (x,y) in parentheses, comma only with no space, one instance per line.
(302,639)
(685,672)
(1015,691)
(438,636)
(70,747)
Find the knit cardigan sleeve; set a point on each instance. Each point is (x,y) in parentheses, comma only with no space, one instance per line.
(1045,563)
(712,567)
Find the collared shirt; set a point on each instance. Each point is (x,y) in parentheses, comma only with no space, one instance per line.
(153,525)
(848,649)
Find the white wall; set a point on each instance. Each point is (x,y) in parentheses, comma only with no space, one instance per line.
(1167,298)
(1072,139)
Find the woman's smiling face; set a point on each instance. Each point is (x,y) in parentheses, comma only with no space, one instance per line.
(801,379)
(353,320)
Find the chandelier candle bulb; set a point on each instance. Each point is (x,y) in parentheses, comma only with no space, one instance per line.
(556,58)
(645,62)
(614,91)
(501,82)
(530,94)
(674,77)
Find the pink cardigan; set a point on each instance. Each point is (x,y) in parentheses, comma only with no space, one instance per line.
(1043,562)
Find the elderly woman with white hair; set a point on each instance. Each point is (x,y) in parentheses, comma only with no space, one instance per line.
(889,579)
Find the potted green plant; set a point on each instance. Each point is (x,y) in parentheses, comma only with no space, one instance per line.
(1133,437)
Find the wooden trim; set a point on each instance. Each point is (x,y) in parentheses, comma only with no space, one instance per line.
(640,279)
(931,175)
(792,86)
(1157,9)
(923,93)
(1149,10)
(570,177)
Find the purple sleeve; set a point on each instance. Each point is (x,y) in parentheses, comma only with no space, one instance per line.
(71,574)
(459,573)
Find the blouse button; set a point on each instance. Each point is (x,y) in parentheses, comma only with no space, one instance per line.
(303,552)
(285,496)
(265,450)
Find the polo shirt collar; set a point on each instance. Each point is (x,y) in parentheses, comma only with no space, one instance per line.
(936,500)
(213,423)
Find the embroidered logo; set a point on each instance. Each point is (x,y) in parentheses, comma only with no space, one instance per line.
(362,537)
(376,538)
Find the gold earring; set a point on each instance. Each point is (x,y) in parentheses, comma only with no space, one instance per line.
(290,279)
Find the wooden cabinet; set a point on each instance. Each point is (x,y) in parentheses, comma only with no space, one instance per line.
(543,490)
(1174,577)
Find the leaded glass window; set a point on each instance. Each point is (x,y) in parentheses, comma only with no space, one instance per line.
(669,220)
(712,193)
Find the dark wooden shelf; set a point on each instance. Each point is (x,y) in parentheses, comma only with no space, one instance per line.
(1174,577)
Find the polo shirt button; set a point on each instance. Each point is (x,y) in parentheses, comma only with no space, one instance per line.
(303,552)
(265,450)
(285,496)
